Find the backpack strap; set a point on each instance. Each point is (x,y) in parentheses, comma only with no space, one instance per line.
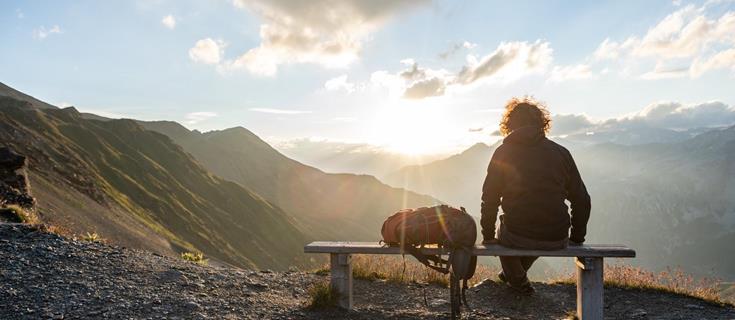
(439,264)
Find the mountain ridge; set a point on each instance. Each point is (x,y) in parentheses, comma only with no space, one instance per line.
(358,203)
(142,178)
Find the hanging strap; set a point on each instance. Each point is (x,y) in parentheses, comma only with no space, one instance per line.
(431,261)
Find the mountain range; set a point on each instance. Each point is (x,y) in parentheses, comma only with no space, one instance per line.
(237,200)
(162,187)
(320,201)
(672,199)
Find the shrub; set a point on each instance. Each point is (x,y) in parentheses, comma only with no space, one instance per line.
(196,257)
(16,214)
(322,296)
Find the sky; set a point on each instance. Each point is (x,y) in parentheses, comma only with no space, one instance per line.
(413,76)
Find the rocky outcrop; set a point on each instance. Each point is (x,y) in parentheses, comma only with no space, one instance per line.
(14,188)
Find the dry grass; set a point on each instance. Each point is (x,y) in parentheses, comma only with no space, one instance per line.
(670,280)
(196,257)
(398,270)
(92,237)
(322,296)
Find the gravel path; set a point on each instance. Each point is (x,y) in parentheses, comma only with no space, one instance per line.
(45,276)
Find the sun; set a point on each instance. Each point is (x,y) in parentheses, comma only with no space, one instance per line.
(411,129)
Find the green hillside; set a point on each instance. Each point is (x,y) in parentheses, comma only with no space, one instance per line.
(331,206)
(141,189)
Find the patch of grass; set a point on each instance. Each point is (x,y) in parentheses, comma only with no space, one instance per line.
(397,270)
(92,237)
(670,280)
(323,271)
(322,296)
(16,214)
(196,257)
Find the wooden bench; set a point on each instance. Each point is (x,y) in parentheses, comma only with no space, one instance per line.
(588,259)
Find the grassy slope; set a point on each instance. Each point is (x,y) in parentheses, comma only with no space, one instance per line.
(151,182)
(332,206)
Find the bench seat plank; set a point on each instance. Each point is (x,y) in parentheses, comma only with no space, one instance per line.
(587,250)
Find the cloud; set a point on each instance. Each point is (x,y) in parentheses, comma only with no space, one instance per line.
(456,47)
(324,32)
(610,50)
(339,83)
(41,32)
(425,88)
(665,72)
(19,14)
(169,22)
(509,62)
(207,51)
(662,115)
(689,35)
(279,111)
(575,72)
(562,124)
(196,117)
(721,60)
(674,115)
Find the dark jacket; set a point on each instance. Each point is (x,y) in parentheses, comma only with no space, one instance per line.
(530,176)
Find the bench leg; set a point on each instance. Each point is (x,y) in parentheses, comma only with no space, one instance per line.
(341,281)
(589,288)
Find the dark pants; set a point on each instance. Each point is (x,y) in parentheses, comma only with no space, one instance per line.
(515,269)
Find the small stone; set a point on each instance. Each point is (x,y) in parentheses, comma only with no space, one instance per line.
(638,313)
(192,305)
(439,303)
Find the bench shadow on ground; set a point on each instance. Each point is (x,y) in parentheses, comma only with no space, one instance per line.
(494,300)
(487,300)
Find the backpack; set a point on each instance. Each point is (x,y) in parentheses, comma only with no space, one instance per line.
(451,229)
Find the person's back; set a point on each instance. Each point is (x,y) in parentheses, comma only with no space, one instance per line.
(530,177)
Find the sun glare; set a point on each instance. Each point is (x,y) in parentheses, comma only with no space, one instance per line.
(412,129)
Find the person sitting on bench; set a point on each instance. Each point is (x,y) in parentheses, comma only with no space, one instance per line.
(530,177)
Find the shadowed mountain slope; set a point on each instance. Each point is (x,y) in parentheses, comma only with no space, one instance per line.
(138,188)
(673,202)
(453,179)
(331,206)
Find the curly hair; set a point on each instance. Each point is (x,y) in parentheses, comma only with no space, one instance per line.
(525,111)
